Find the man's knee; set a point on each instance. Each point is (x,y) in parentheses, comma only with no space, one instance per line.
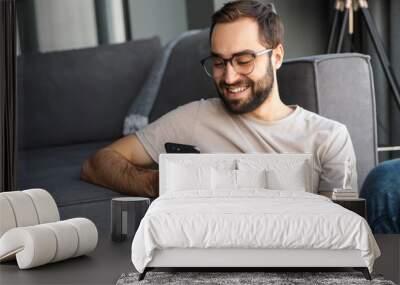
(384,177)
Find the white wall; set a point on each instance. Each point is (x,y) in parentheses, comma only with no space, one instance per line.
(154,17)
(65,24)
(68,24)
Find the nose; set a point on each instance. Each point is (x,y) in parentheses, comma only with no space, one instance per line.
(230,75)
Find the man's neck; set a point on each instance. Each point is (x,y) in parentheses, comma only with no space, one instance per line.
(273,109)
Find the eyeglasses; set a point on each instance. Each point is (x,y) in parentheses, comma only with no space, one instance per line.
(243,63)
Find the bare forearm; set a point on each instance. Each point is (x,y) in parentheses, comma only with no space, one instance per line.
(110,169)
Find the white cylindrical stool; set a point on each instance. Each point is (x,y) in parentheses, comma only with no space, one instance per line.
(126,214)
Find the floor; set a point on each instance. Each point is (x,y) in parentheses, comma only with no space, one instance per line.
(111,259)
(103,266)
(389,262)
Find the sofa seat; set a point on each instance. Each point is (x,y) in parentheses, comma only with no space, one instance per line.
(57,169)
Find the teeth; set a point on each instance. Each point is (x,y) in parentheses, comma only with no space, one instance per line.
(237,89)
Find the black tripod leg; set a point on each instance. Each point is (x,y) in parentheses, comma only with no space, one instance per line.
(394,84)
(364,271)
(342,30)
(333,31)
(143,274)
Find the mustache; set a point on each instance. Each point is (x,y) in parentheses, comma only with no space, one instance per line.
(223,84)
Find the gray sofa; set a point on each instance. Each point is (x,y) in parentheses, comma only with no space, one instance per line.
(72,103)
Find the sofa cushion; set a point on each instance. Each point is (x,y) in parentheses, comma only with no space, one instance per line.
(80,95)
(57,170)
(339,87)
(184,79)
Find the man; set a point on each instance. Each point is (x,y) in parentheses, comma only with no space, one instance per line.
(246,51)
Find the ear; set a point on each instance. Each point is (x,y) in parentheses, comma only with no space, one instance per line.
(277,56)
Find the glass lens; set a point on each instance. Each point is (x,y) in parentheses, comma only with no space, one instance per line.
(243,63)
(214,66)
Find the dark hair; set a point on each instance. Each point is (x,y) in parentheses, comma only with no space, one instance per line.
(269,23)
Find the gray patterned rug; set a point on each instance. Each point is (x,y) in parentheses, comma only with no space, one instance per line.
(229,278)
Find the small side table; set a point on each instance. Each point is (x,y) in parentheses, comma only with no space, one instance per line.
(357,205)
(126,214)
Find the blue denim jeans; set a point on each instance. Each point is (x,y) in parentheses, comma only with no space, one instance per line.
(381,189)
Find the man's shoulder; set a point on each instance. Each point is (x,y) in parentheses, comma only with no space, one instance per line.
(192,111)
(321,123)
(322,128)
(208,105)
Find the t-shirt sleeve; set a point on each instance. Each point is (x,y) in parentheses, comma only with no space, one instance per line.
(176,126)
(337,153)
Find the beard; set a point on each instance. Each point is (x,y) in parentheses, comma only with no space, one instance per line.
(259,92)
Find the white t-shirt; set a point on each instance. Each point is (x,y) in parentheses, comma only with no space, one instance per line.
(209,126)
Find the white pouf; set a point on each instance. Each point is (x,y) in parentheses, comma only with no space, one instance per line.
(40,244)
(7,218)
(32,233)
(26,208)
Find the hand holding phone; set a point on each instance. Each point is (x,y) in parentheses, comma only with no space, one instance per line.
(180,148)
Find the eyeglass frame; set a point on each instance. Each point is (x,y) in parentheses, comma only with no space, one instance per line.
(226,60)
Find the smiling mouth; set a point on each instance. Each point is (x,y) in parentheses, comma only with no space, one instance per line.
(236,91)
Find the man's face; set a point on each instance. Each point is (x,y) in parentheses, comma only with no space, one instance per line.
(242,93)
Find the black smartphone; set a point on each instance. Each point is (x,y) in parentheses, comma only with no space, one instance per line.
(180,148)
